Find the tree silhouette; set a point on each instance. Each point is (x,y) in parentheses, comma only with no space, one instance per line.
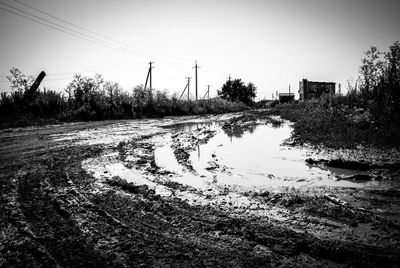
(236,90)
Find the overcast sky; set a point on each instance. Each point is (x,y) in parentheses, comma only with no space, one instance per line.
(269,43)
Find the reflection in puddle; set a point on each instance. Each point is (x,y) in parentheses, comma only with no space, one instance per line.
(252,157)
(191,126)
(166,153)
(238,132)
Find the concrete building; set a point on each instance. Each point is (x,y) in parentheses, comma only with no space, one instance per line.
(309,89)
(286,97)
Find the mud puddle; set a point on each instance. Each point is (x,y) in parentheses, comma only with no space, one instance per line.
(254,157)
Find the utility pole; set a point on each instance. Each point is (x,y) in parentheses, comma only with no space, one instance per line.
(289,89)
(188,85)
(196,67)
(183,92)
(149,75)
(34,87)
(207,93)
(37,82)
(150,68)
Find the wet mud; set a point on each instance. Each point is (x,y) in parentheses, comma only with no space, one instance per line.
(135,194)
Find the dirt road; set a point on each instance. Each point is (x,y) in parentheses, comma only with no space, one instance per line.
(95,194)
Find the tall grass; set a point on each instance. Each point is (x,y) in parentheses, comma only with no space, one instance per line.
(338,121)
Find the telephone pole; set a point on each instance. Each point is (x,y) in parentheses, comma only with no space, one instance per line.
(188,85)
(207,93)
(149,75)
(196,67)
(150,68)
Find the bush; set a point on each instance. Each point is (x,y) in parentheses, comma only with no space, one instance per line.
(93,98)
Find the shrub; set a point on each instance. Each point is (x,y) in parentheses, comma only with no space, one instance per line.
(93,98)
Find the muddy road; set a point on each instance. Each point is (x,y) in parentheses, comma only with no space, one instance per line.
(227,191)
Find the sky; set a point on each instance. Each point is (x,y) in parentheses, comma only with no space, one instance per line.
(271,43)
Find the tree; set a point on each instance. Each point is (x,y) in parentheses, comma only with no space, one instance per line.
(392,76)
(236,90)
(371,70)
(143,100)
(113,91)
(19,82)
(380,86)
(83,88)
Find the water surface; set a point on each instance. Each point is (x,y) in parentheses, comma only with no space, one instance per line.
(254,157)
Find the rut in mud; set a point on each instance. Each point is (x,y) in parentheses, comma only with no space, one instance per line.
(167,193)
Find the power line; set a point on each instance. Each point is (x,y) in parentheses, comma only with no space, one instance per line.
(77,26)
(50,26)
(78,72)
(64,29)
(128,67)
(48,23)
(148,53)
(58,26)
(61,26)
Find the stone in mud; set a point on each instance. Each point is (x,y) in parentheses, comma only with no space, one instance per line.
(332,198)
(353,165)
(359,177)
(340,163)
(290,200)
(127,186)
(212,166)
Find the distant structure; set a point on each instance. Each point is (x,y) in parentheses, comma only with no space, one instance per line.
(286,97)
(310,90)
